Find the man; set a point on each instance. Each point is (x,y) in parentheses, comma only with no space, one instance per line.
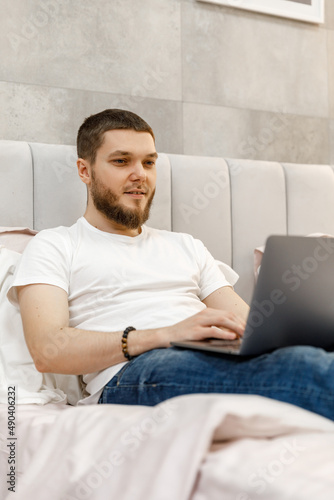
(118,293)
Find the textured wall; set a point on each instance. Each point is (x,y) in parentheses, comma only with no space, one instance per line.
(211,80)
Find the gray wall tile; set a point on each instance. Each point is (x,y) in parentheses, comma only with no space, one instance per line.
(38,114)
(62,60)
(165,117)
(253,62)
(121,46)
(236,133)
(45,114)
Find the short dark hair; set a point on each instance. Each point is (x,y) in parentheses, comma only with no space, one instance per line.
(91,133)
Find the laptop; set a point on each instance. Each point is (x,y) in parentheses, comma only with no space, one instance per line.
(293,300)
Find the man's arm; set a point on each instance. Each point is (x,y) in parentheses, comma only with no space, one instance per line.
(225,298)
(58,348)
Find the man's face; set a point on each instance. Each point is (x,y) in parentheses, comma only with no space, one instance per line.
(123,177)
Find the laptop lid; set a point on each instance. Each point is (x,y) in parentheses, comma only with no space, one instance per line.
(293,301)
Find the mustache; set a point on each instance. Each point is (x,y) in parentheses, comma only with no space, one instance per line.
(143,189)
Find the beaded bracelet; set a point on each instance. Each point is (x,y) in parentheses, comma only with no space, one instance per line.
(125,342)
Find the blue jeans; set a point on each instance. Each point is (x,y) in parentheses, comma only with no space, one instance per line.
(301,375)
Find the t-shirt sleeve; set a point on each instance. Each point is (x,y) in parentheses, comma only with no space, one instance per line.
(45,260)
(212,276)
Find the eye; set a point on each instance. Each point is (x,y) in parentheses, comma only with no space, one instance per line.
(150,163)
(119,161)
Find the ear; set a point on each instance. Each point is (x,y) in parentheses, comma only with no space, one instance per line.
(84,170)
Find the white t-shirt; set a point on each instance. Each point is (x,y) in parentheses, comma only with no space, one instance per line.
(155,279)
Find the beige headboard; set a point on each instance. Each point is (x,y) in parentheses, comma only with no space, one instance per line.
(231,205)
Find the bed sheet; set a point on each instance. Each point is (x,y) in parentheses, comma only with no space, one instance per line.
(197,447)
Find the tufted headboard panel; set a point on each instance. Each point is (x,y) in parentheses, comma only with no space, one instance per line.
(231,205)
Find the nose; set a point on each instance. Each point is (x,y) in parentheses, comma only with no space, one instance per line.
(138,172)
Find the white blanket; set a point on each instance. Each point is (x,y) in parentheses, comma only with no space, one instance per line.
(198,447)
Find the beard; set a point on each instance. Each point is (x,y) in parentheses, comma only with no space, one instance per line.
(107,202)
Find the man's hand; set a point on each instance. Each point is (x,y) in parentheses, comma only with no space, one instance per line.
(205,324)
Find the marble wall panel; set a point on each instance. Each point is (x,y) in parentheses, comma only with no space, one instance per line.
(207,78)
(123,46)
(239,133)
(253,62)
(53,115)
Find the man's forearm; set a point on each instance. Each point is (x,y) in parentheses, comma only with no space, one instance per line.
(76,351)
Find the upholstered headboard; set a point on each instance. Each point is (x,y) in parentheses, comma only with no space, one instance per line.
(231,205)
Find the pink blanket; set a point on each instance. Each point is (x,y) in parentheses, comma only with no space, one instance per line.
(199,447)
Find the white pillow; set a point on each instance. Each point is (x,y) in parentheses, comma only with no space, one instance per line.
(259,251)
(16,365)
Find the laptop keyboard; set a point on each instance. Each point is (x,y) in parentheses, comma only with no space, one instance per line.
(225,343)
